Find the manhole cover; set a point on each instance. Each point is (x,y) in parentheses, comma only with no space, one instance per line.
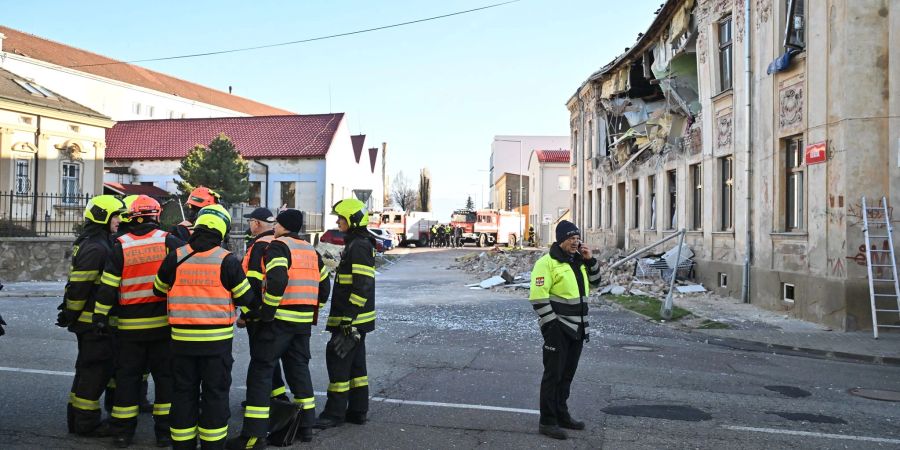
(790,391)
(637,348)
(670,412)
(806,417)
(877,394)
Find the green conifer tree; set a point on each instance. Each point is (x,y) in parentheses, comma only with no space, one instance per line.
(219,167)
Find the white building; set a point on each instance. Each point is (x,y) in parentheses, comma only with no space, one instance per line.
(550,190)
(509,154)
(116,89)
(306,162)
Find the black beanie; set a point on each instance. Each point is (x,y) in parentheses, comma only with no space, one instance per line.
(291,220)
(565,230)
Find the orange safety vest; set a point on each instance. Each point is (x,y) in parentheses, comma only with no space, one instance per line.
(197,296)
(246,261)
(303,275)
(142,257)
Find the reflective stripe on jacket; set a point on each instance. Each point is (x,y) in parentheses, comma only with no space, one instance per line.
(245,263)
(303,274)
(558,295)
(197,296)
(142,256)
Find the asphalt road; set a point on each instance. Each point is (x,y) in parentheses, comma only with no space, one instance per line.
(451,367)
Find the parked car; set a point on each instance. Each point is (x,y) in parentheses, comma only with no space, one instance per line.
(390,239)
(336,237)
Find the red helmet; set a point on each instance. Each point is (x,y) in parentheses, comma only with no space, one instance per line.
(203,196)
(145,206)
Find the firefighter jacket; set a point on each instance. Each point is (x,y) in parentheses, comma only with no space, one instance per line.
(203,284)
(129,272)
(353,294)
(182,230)
(89,254)
(253,260)
(296,282)
(559,287)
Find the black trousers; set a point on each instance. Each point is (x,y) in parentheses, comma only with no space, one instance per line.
(348,387)
(276,341)
(134,357)
(561,355)
(94,369)
(200,404)
(277,380)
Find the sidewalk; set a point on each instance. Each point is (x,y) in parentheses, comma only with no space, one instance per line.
(755,329)
(33,289)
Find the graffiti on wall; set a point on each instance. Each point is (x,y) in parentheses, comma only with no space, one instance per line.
(880,258)
(855,212)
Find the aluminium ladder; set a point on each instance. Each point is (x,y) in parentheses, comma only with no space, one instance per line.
(886,265)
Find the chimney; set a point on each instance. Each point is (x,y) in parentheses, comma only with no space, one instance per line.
(2,37)
(229,89)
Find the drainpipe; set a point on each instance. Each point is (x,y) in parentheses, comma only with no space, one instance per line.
(748,73)
(267,179)
(37,162)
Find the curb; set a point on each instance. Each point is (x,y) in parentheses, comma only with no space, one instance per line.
(30,294)
(788,350)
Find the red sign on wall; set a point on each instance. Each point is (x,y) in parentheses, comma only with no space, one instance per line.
(815,153)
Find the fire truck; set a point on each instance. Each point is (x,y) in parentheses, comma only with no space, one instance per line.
(412,227)
(498,227)
(465,219)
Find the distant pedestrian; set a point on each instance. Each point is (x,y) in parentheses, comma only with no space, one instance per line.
(559,286)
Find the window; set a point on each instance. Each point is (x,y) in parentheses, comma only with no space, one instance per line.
(562,182)
(590,140)
(22,183)
(25,119)
(609,205)
(635,204)
(672,200)
(255,191)
(725,48)
(575,147)
(146,183)
(795,25)
(150,110)
(599,213)
(589,214)
(136,108)
(71,177)
(287,193)
(726,190)
(651,187)
(795,185)
(74,128)
(696,197)
(787,290)
(35,89)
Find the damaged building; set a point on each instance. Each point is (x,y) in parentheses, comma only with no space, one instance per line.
(757,126)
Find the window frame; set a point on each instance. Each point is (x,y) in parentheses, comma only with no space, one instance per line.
(651,202)
(635,204)
(726,193)
(70,185)
(589,214)
(725,54)
(794,37)
(696,176)
(794,172)
(292,190)
(671,200)
(22,181)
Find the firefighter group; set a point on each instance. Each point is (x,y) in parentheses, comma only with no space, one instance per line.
(446,236)
(148,304)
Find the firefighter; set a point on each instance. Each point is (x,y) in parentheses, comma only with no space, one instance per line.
(95,362)
(434,236)
(448,231)
(559,286)
(143,328)
(531,235)
(202,282)
(200,197)
(260,228)
(352,315)
(457,234)
(296,284)
(441,235)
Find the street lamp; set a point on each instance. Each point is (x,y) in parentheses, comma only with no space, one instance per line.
(521,222)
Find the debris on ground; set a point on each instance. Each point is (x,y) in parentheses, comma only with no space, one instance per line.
(647,276)
(511,266)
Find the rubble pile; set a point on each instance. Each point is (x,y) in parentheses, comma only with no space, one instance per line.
(499,267)
(649,276)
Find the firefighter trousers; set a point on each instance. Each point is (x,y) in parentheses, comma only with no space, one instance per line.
(348,387)
(561,355)
(277,380)
(200,404)
(94,369)
(134,357)
(275,341)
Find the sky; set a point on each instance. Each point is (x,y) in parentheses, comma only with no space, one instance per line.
(437,92)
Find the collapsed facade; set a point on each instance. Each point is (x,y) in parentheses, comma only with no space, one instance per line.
(707,124)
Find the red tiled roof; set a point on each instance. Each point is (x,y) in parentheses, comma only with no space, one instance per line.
(552,156)
(136,189)
(307,136)
(42,49)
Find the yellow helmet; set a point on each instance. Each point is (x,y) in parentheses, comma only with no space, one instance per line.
(102,208)
(214,217)
(353,211)
(125,216)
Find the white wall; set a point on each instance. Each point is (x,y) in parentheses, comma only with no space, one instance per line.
(546,197)
(343,174)
(507,158)
(109,97)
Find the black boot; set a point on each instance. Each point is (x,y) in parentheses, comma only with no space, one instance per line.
(306,434)
(552,431)
(570,423)
(324,422)
(123,440)
(245,442)
(163,439)
(356,417)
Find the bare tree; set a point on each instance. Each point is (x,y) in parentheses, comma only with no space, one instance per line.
(405,196)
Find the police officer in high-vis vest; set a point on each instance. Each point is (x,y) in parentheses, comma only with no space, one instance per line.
(143,327)
(95,363)
(559,286)
(203,284)
(296,284)
(352,315)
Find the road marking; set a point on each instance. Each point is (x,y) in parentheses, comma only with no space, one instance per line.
(43,372)
(813,434)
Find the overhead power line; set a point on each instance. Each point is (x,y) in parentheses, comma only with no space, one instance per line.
(301,41)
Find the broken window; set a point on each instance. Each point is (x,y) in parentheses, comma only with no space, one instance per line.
(636,204)
(725,57)
(795,185)
(672,206)
(651,198)
(696,197)
(795,25)
(726,189)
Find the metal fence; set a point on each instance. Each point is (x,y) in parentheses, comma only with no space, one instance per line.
(41,214)
(312,222)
